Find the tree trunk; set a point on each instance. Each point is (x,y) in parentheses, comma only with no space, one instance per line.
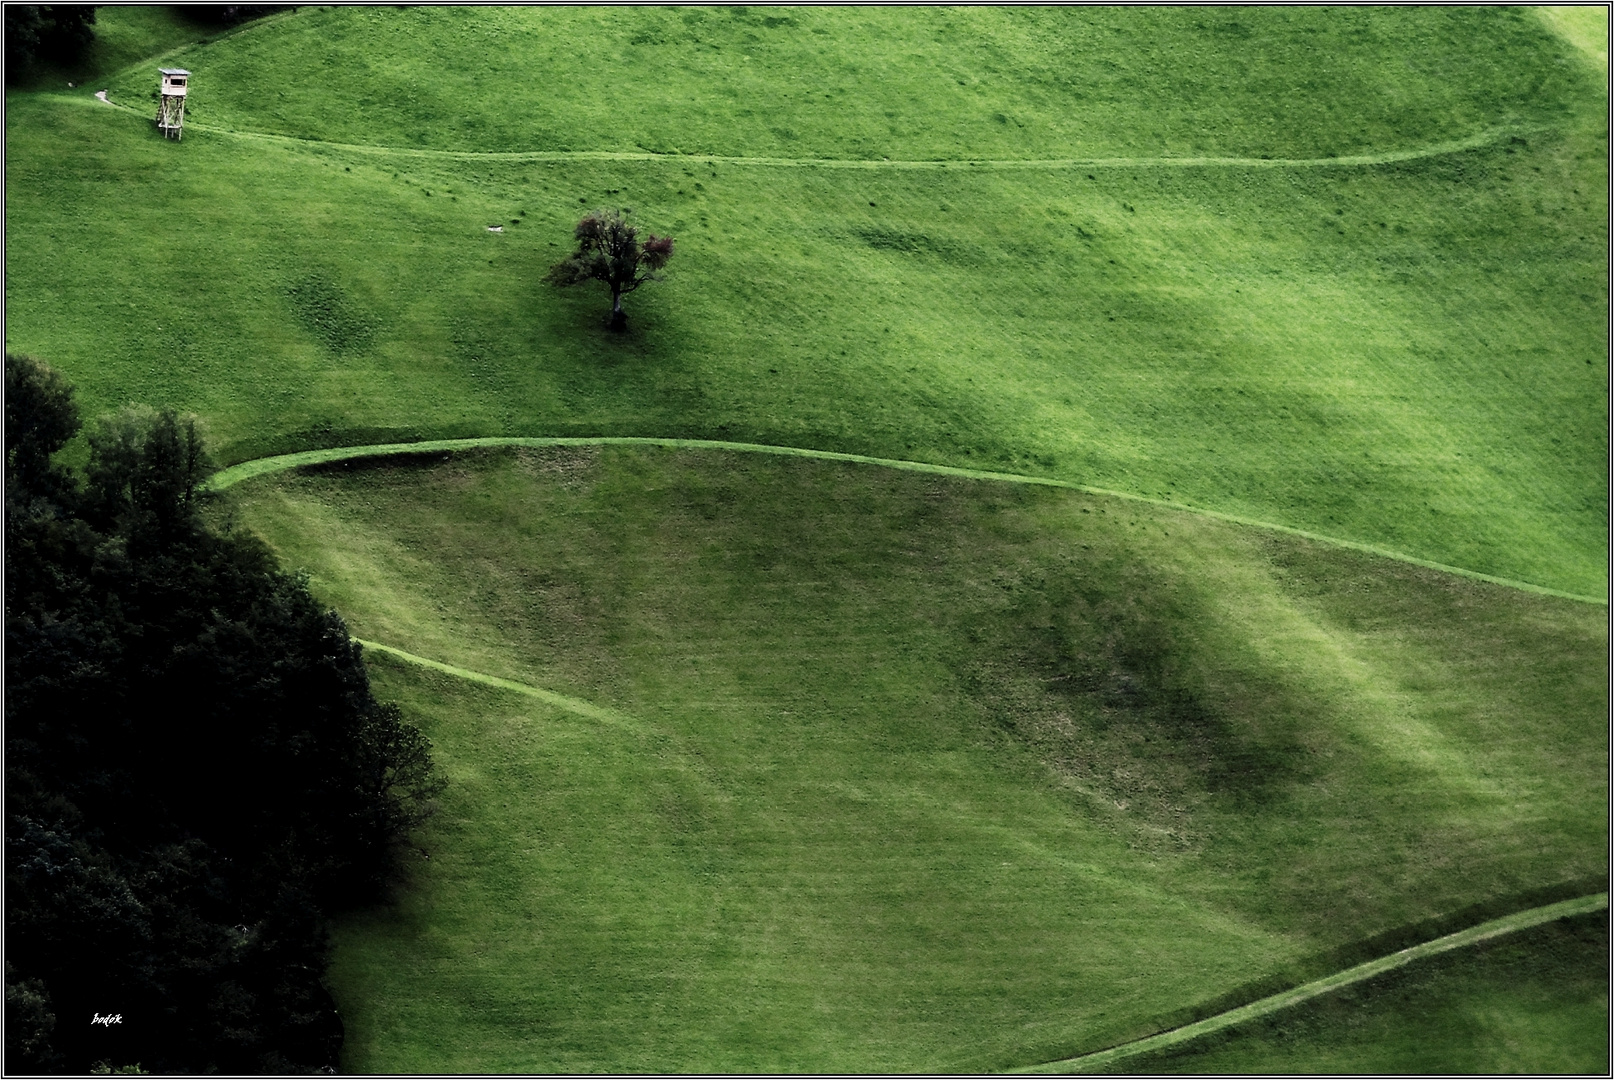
(619,318)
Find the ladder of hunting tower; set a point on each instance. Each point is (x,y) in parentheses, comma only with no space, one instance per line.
(171,102)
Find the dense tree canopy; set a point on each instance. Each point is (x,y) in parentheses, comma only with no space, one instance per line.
(228,14)
(196,770)
(53,33)
(609,251)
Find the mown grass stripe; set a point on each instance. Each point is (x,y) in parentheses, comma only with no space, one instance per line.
(548,697)
(1414,153)
(1508,924)
(1474,935)
(278,463)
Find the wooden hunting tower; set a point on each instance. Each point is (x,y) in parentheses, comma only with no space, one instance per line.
(171,104)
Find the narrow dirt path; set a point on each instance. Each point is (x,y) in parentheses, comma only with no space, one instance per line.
(248,469)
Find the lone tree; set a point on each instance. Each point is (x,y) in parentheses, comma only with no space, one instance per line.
(608,250)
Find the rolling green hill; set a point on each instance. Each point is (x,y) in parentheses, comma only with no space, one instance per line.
(795,764)
(901,772)
(934,84)
(1537,1003)
(1410,354)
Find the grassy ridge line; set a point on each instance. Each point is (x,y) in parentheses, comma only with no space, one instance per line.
(1508,924)
(1450,146)
(280,462)
(549,697)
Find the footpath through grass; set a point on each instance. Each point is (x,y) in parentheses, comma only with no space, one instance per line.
(894,771)
(124,37)
(1193,1038)
(1575,1041)
(1535,1003)
(1411,355)
(884,83)
(903,772)
(229,477)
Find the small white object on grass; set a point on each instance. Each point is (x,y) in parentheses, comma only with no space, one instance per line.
(495,228)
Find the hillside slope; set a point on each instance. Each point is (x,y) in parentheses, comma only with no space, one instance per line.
(896,772)
(1411,354)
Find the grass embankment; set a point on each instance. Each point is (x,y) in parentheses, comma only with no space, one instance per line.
(1411,355)
(908,772)
(1176,1040)
(1533,1003)
(246,470)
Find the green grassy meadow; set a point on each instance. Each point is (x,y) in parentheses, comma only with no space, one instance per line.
(1534,1003)
(896,771)
(937,84)
(1411,355)
(912,773)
